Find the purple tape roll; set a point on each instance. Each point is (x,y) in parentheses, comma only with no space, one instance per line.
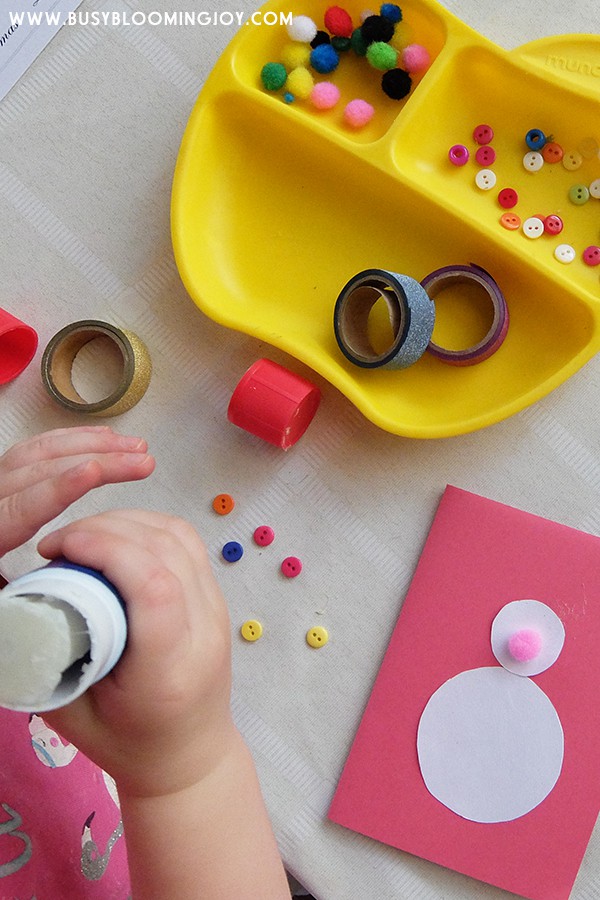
(449,276)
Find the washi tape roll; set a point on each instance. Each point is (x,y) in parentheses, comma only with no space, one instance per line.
(449,276)
(18,343)
(59,356)
(273,403)
(411,314)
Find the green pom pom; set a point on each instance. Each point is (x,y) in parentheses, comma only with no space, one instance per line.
(273,76)
(382,56)
(358,43)
(341,44)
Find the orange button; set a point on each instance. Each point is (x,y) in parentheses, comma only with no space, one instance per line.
(223,504)
(510,221)
(552,152)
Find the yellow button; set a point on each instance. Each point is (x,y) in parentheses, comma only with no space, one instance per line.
(251,630)
(317,637)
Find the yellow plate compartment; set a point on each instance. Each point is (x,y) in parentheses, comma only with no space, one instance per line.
(275,206)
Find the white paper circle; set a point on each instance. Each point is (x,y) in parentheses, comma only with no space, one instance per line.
(527,614)
(490,745)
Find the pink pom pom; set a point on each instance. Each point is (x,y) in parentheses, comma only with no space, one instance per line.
(358,112)
(324,95)
(415,58)
(524,645)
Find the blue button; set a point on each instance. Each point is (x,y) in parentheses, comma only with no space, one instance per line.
(535,139)
(232,551)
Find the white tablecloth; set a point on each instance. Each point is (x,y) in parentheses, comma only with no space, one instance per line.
(88,142)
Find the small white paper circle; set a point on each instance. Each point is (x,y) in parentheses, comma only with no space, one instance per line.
(490,745)
(527,614)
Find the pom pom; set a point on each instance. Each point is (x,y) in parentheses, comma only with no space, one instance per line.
(295,54)
(382,56)
(340,44)
(321,37)
(300,82)
(288,97)
(324,95)
(357,42)
(358,112)
(377,28)
(396,83)
(392,12)
(365,14)
(338,21)
(302,28)
(324,59)
(273,76)
(415,58)
(524,645)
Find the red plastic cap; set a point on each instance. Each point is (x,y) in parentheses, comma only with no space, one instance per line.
(18,343)
(273,403)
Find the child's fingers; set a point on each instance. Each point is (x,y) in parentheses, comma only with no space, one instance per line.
(86,439)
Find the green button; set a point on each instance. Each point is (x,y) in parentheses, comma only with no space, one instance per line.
(579,194)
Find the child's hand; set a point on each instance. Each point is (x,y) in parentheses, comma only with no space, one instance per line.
(160,720)
(42,476)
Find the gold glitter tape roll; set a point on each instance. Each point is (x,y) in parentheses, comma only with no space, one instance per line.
(59,356)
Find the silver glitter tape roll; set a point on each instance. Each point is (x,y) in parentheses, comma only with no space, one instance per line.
(411,312)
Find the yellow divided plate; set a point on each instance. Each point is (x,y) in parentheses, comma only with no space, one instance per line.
(276,205)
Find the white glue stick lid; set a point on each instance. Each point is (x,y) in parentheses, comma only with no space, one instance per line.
(62,628)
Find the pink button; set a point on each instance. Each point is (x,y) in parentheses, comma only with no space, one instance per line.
(264,535)
(483,134)
(507,198)
(486,156)
(291,566)
(553,224)
(458,155)
(591,255)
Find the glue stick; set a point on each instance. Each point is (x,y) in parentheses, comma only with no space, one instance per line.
(62,628)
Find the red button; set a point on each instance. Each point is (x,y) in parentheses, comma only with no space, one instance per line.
(486,156)
(483,134)
(507,198)
(552,152)
(264,535)
(591,255)
(291,566)
(553,224)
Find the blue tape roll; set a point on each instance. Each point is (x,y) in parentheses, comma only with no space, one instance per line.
(411,312)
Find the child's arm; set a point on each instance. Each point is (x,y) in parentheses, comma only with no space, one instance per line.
(194,818)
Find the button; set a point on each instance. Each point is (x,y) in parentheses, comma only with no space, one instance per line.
(458,155)
(510,221)
(223,504)
(485,179)
(591,255)
(251,630)
(232,551)
(507,198)
(594,189)
(483,134)
(533,161)
(535,139)
(552,152)
(572,160)
(564,253)
(579,194)
(533,227)
(291,566)
(485,156)
(264,535)
(317,636)
(553,224)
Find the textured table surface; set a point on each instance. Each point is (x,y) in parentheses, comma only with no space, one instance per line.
(88,142)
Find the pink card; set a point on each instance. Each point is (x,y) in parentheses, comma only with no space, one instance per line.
(480,557)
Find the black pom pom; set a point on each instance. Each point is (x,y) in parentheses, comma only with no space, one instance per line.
(321,37)
(377,28)
(396,83)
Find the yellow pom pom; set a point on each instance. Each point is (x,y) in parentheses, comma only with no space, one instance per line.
(300,82)
(294,55)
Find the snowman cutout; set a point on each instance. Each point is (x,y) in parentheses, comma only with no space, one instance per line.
(490,742)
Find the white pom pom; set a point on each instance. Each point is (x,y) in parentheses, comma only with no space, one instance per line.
(302,28)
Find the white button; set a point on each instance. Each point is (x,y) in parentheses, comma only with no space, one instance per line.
(533,161)
(595,189)
(533,227)
(485,179)
(564,253)
(572,160)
